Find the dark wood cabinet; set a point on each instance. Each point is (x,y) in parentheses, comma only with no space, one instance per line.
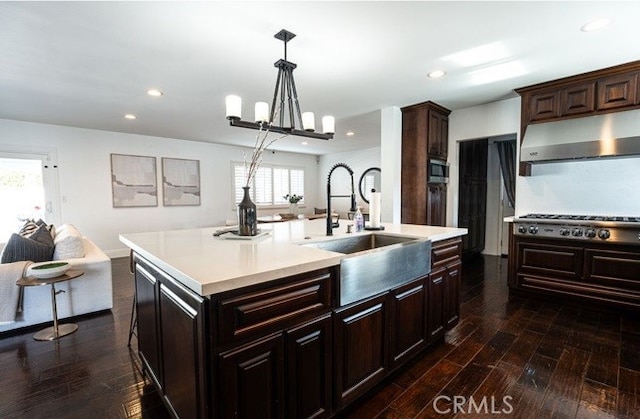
(147,289)
(577,99)
(601,273)
(544,106)
(408,321)
(436,205)
(171,340)
(617,91)
(284,349)
(452,295)
(252,380)
(361,347)
(435,304)
(612,89)
(438,133)
(425,134)
(308,369)
(444,287)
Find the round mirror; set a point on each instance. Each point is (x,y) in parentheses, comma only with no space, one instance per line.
(370,179)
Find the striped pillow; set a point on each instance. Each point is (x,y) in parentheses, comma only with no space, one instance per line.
(20,248)
(28,228)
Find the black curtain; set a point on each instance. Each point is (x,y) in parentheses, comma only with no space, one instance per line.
(507,154)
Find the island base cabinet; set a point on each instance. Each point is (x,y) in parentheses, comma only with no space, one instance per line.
(171,340)
(408,324)
(148,333)
(360,348)
(251,380)
(452,295)
(252,377)
(435,304)
(308,369)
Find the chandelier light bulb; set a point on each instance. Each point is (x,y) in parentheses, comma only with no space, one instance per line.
(328,124)
(234,107)
(308,121)
(262,112)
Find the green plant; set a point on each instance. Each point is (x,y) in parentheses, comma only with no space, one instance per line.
(293,199)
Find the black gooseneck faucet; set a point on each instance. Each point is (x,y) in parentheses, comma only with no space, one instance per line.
(329,196)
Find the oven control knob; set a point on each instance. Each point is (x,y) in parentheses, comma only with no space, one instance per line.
(577,232)
(522,229)
(604,234)
(590,233)
(533,229)
(564,231)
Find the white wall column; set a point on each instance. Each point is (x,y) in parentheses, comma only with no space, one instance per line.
(391,163)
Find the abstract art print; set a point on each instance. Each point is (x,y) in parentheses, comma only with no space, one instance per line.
(180,182)
(134,181)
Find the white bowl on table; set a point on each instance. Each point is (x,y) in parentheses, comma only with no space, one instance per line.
(46,270)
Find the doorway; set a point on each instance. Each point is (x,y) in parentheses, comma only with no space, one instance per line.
(482,201)
(28,189)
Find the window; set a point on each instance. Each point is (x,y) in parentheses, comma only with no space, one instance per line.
(28,188)
(270,184)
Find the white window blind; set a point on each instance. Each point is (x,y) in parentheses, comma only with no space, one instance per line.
(270,185)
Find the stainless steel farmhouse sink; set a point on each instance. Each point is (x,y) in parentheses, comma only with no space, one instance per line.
(377,262)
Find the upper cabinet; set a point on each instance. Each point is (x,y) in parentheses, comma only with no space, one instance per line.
(425,135)
(618,91)
(612,89)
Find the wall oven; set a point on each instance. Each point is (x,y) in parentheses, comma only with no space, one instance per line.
(437,171)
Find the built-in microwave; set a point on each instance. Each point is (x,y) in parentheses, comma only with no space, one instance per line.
(437,171)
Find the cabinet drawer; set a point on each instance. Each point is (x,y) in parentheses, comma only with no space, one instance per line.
(445,252)
(614,269)
(553,261)
(263,311)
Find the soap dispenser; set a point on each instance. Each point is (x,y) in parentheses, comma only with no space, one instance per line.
(359,218)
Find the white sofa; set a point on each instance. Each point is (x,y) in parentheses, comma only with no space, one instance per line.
(88,293)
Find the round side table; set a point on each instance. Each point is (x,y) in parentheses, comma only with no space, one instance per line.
(56,331)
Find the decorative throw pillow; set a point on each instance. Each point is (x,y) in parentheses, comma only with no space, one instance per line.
(68,243)
(50,227)
(42,235)
(28,228)
(20,248)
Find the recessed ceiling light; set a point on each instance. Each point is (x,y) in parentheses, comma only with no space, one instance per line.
(154,92)
(594,25)
(350,134)
(304,143)
(436,74)
(130,116)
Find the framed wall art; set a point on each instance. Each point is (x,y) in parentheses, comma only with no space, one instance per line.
(134,181)
(180,182)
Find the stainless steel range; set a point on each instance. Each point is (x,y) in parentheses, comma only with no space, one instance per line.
(610,229)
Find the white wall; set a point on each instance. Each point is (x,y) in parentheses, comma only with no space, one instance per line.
(85,185)
(358,161)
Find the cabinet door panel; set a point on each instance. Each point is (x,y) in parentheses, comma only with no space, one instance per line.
(408,321)
(579,99)
(452,293)
(251,380)
(183,352)
(559,261)
(544,106)
(148,322)
(435,293)
(360,343)
(309,369)
(437,208)
(617,91)
(615,269)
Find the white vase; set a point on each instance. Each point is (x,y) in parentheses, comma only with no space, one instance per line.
(293,209)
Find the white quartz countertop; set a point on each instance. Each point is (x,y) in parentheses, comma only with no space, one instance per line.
(209,265)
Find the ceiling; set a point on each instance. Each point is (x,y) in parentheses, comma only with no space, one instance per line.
(86,64)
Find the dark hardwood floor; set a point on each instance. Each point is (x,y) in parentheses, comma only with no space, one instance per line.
(522,357)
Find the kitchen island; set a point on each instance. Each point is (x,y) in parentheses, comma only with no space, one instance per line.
(255,328)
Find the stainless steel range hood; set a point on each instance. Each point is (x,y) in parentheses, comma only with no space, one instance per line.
(609,135)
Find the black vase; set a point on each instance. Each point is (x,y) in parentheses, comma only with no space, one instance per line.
(247,217)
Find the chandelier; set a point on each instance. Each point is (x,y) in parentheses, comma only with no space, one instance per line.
(286,111)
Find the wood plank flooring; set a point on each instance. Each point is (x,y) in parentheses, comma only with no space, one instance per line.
(527,358)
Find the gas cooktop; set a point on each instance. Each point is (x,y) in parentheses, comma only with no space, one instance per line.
(615,229)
